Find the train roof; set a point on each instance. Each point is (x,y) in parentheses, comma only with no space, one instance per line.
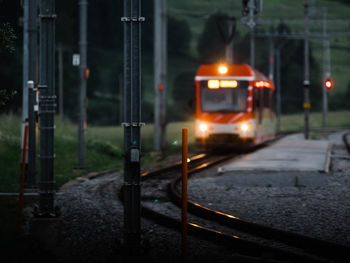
(237,71)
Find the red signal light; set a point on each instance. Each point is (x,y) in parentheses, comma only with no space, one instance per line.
(328,84)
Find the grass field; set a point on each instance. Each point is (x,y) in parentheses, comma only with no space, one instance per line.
(104,150)
(104,145)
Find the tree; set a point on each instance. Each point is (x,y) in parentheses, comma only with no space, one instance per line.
(211,45)
(7,48)
(7,37)
(179,36)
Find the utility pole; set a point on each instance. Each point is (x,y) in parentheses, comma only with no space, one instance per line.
(83,82)
(252,24)
(160,73)
(60,80)
(47,100)
(229,46)
(306,83)
(279,84)
(278,88)
(271,58)
(326,69)
(25,18)
(33,79)
(132,127)
(250,8)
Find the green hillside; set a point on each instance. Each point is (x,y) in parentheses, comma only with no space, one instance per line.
(195,12)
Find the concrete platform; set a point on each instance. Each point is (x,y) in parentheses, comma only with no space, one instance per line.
(290,154)
(291,161)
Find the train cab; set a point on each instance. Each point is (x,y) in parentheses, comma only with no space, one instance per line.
(234,107)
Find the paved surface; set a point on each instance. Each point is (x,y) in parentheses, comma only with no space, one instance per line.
(290,154)
(292,161)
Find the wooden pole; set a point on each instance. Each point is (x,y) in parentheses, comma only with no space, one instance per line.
(184,194)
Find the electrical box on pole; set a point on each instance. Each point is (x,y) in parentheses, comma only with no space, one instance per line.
(258,6)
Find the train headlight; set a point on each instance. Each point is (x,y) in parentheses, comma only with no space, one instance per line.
(203,127)
(244,127)
(222,69)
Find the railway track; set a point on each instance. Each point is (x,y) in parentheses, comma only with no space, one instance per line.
(310,245)
(250,251)
(307,249)
(346,140)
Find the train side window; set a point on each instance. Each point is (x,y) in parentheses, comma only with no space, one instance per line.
(267,98)
(256,102)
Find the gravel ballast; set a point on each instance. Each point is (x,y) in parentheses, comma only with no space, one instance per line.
(90,227)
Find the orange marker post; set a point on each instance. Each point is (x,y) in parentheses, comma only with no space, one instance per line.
(21,189)
(184,194)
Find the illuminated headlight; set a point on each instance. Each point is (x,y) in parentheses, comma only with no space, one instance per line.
(222,69)
(203,127)
(244,127)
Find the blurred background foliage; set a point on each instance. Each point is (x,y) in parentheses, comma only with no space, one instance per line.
(105,58)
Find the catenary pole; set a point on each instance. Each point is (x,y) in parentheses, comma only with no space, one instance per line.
(251,6)
(83,82)
(32,81)
(279,84)
(160,73)
(25,18)
(60,80)
(271,58)
(326,72)
(229,46)
(278,89)
(132,126)
(306,83)
(47,100)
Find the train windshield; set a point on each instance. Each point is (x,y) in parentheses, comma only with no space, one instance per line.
(224,99)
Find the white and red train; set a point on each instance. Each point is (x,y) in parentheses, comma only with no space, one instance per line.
(234,106)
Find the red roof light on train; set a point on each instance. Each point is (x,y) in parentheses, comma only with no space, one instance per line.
(262,84)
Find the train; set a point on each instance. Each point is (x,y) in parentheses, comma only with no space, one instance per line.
(234,107)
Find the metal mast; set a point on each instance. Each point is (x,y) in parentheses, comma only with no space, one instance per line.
(271,58)
(47,100)
(306,70)
(278,89)
(229,46)
(60,80)
(132,125)
(160,73)
(32,76)
(251,24)
(25,6)
(326,69)
(83,81)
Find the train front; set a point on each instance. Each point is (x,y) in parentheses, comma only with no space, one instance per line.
(224,116)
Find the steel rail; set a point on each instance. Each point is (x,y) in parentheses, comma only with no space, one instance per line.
(256,252)
(193,160)
(309,244)
(252,251)
(346,141)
